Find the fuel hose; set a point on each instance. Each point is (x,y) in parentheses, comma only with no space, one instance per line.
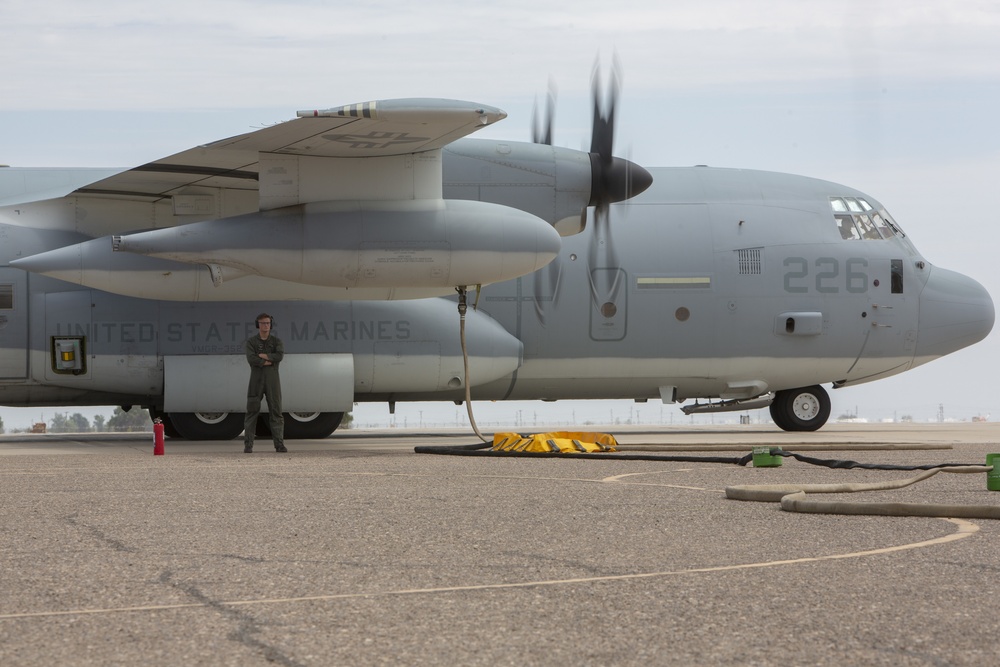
(792,497)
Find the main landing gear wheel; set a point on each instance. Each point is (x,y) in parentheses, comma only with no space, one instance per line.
(805,409)
(311,425)
(302,425)
(208,425)
(169,429)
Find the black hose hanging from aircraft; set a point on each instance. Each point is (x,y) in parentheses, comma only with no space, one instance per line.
(462,309)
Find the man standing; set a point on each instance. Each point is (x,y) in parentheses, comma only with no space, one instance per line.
(264,353)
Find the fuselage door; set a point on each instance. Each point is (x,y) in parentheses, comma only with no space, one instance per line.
(13,324)
(609,292)
(888,321)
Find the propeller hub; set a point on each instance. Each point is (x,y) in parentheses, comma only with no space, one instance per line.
(616,180)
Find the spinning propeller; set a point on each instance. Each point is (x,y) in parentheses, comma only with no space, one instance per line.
(614,180)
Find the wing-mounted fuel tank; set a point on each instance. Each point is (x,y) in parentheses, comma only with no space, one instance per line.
(394,249)
(423,243)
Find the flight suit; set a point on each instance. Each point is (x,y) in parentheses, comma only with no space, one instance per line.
(264,381)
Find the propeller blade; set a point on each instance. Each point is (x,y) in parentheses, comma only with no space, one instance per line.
(547,288)
(603,130)
(543,134)
(603,267)
(614,179)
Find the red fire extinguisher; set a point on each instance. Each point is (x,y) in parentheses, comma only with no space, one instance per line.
(157,437)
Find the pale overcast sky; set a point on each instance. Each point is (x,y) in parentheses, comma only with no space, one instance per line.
(897,98)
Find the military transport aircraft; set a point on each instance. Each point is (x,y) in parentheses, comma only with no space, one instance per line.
(355,225)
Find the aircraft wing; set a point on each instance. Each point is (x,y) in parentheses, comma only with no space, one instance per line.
(349,199)
(372,129)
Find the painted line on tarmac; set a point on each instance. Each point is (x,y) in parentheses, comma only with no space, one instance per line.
(618,479)
(965,529)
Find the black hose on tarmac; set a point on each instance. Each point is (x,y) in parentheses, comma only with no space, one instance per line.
(484,449)
(847,465)
(792,497)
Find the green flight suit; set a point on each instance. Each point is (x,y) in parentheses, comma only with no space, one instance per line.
(264,381)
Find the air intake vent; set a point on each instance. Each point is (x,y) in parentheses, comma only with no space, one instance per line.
(749,259)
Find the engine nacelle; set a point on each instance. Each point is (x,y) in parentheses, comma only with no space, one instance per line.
(556,184)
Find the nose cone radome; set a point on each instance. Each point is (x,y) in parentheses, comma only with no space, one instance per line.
(955,312)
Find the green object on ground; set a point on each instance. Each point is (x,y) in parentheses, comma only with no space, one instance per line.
(763,458)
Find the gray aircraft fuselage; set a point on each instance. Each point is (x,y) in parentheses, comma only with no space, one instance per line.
(713,284)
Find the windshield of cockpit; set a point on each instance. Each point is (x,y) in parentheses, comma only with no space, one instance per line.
(858,220)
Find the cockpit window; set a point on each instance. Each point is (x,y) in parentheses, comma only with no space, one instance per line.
(857,219)
(893,225)
(848,231)
(867,227)
(882,226)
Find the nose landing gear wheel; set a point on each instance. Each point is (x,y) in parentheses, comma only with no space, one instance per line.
(805,409)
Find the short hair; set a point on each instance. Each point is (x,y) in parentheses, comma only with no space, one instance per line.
(265,316)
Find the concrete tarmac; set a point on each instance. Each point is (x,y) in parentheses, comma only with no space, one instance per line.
(355,551)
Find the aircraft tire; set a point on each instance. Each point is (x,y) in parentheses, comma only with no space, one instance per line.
(803,409)
(169,429)
(208,426)
(312,426)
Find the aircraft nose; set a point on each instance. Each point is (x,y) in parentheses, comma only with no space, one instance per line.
(955,312)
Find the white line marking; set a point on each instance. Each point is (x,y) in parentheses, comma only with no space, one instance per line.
(965,529)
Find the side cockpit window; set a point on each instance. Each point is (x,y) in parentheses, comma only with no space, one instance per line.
(896,271)
(857,219)
(867,227)
(848,231)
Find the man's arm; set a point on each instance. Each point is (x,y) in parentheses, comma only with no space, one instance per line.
(279,351)
(251,351)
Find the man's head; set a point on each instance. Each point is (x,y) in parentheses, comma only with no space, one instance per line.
(264,324)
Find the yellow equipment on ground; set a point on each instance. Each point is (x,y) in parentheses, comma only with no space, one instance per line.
(566,442)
